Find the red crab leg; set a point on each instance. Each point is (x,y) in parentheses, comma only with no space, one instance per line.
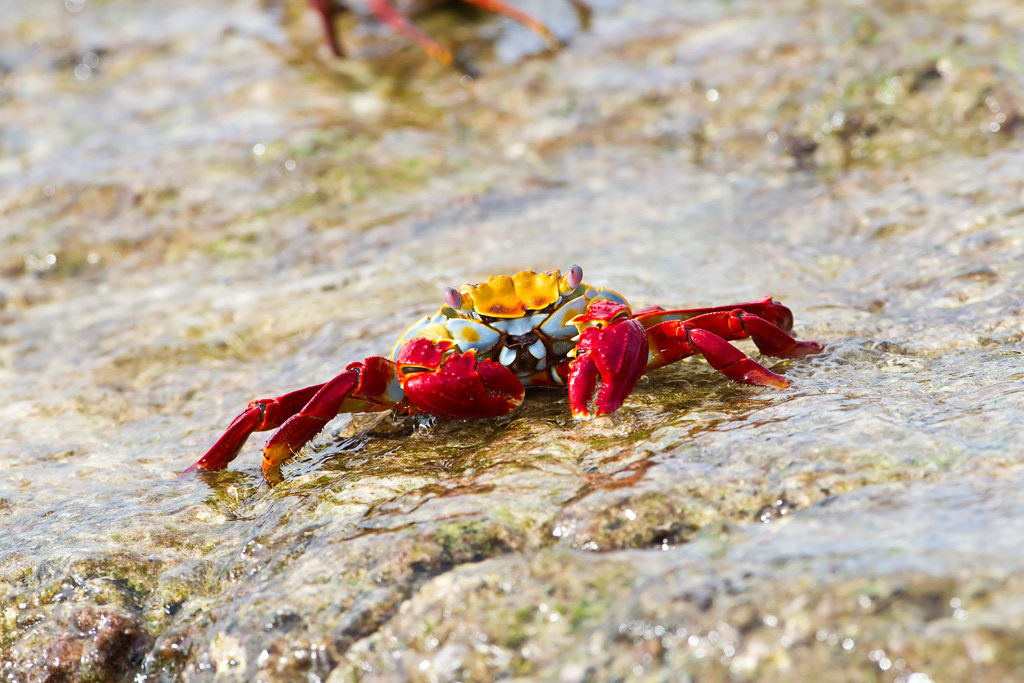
(328,10)
(299,416)
(386,12)
(499,7)
(765,308)
(675,339)
(730,325)
(259,416)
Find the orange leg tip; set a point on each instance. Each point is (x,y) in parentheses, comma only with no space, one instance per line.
(550,38)
(768,379)
(275,454)
(272,474)
(439,54)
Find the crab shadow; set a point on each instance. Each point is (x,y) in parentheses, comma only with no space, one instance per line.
(539,433)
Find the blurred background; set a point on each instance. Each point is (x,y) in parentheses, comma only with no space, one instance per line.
(201,205)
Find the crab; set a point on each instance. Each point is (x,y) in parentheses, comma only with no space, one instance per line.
(389,13)
(491,341)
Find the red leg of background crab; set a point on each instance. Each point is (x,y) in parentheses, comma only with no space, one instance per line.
(386,12)
(499,7)
(675,339)
(328,10)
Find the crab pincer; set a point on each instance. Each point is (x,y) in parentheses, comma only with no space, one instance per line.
(457,386)
(611,356)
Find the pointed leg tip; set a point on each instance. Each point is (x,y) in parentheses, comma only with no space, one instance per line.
(767,378)
(443,56)
(763,377)
(202,466)
(272,475)
(273,456)
(815,347)
(805,348)
(433,49)
(553,41)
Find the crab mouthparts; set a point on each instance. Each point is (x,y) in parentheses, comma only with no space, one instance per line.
(516,344)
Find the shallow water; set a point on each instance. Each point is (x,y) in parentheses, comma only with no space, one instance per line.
(216,212)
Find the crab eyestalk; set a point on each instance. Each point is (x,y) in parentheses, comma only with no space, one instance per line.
(453,298)
(610,357)
(574,277)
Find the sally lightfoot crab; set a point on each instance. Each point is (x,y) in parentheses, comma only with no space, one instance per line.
(475,357)
(393,14)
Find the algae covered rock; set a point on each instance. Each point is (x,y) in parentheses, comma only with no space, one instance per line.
(198,213)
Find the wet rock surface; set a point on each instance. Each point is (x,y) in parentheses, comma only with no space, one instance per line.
(199,208)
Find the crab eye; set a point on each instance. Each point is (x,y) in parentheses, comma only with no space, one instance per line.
(575,277)
(453,298)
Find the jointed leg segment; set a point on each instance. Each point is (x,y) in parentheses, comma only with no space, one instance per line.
(675,339)
(770,339)
(673,335)
(500,7)
(260,416)
(298,416)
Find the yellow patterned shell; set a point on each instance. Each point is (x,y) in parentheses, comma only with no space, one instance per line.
(502,296)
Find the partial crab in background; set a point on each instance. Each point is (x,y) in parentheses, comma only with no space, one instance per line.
(395,15)
(475,357)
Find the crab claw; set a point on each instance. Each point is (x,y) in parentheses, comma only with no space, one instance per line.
(610,357)
(456,386)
